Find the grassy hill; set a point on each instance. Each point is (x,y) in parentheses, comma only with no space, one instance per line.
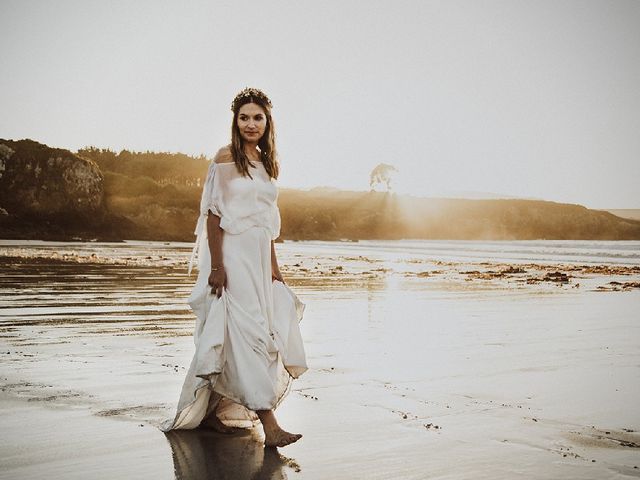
(155,196)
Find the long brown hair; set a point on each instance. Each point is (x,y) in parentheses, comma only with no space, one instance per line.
(267,142)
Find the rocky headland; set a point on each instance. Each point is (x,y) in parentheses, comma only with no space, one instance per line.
(51,193)
(54,194)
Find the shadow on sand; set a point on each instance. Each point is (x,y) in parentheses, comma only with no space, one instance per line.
(207,454)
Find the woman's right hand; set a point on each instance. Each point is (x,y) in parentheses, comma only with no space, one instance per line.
(218,281)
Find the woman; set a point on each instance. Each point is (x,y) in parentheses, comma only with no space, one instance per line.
(248,343)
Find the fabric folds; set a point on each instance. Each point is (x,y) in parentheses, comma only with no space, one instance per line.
(240,202)
(224,329)
(248,345)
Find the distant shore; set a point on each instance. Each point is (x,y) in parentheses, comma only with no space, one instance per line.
(95,194)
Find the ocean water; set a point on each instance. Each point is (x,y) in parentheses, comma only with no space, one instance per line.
(534,251)
(538,251)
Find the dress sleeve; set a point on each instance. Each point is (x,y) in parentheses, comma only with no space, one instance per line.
(208,201)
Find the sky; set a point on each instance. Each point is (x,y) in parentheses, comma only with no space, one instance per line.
(528,99)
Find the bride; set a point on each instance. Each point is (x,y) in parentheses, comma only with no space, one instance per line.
(248,342)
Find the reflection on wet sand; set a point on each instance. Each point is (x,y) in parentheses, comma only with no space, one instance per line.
(206,454)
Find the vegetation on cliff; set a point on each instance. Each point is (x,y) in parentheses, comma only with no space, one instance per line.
(377,215)
(155,196)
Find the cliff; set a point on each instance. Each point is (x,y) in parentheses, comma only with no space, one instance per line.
(50,193)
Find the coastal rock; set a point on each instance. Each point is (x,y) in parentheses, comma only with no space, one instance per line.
(558,277)
(40,181)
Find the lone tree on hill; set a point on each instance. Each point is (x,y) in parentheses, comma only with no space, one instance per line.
(382,174)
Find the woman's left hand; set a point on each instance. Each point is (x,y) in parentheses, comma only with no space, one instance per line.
(276,276)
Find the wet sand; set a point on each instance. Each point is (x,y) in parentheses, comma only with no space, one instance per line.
(419,368)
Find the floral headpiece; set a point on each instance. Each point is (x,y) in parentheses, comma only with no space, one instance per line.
(249,92)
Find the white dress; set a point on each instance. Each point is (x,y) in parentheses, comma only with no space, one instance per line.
(248,342)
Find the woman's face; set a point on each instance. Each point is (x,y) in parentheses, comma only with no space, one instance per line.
(252,122)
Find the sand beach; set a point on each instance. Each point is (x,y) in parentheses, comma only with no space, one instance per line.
(438,360)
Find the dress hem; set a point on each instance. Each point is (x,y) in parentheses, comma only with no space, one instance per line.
(210,385)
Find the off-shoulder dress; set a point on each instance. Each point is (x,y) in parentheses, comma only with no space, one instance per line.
(248,345)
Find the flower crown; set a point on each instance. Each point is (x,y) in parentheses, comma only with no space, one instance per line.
(249,92)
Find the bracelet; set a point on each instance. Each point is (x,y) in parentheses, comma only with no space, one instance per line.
(214,269)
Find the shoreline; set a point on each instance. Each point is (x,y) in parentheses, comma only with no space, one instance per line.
(489,376)
(346,268)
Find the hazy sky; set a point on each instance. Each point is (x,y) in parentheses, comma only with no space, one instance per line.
(532,99)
